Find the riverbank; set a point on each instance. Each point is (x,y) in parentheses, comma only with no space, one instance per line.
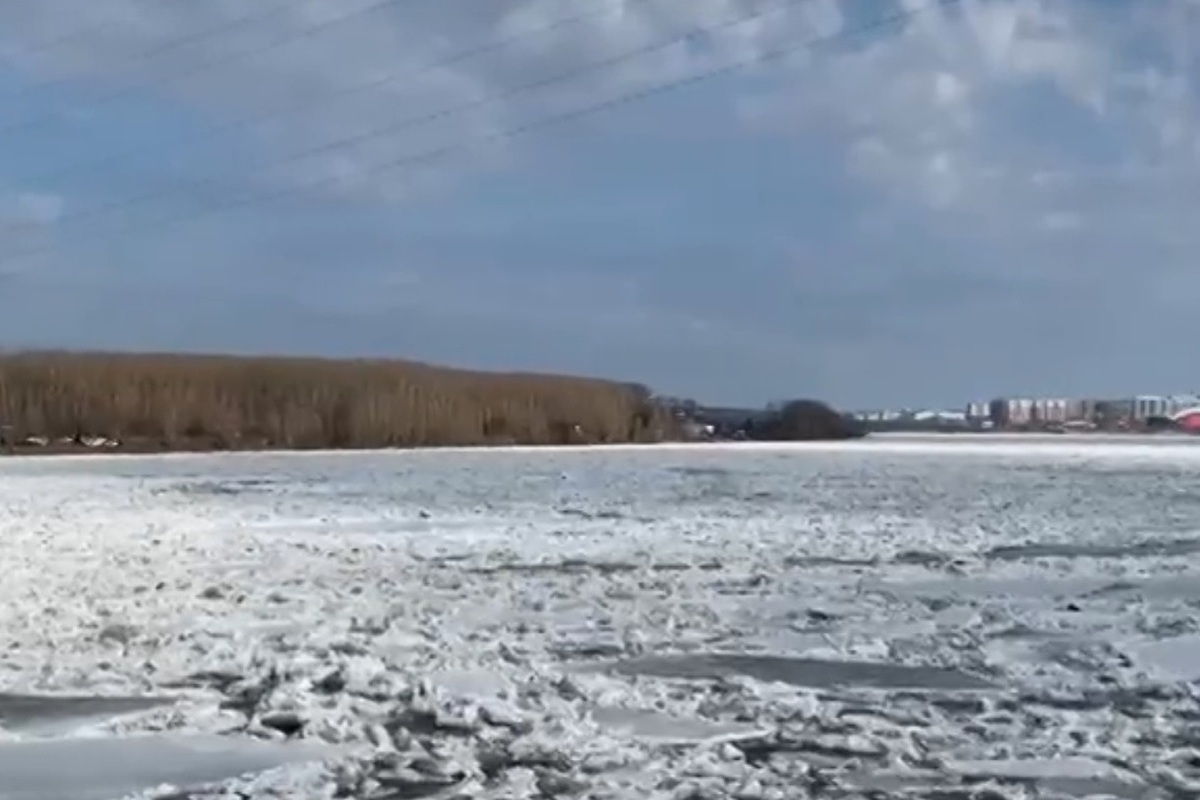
(153,449)
(85,402)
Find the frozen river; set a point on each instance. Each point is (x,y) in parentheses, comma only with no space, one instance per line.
(898,617)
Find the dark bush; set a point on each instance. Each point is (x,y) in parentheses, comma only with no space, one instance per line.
(803,420)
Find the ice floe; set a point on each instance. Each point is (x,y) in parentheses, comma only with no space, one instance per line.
(897,617)
(107,768)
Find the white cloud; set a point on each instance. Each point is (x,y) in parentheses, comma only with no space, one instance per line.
(368,69)
(1021,124)
(919,104)
(1062,221)
(32,210)
(995,109)
(922,86)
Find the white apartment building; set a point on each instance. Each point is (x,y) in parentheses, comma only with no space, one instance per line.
(1080,410)
(978,411)
(1048,409)
(1181,402)
(1012,411)
(1150,405)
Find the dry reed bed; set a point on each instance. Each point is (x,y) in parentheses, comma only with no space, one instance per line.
(168,401)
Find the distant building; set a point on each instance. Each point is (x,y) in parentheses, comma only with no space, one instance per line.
(1189,421)
(1012,412)
(1050,410)
(1113,412)
(978,411)
(1081,410)
(878,415)
(1181,402)
(1146,406)
(934,415)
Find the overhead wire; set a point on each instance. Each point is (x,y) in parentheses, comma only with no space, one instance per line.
(385,79)
(407,162)
(52,43)
(161,47)
(221,60)
(409,123)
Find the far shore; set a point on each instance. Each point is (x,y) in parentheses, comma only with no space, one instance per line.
(63,450)
(888,441)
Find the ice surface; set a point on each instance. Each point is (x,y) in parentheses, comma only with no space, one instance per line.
(104,769)
(1176,658)
(41,714)
(1066,777)
(657,727)
(1074,777)
(917,615)
(808,672)
(1034,769)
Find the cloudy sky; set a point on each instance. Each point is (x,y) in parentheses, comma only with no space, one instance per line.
(977,198)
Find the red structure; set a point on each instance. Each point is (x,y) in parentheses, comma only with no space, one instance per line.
(1188,420)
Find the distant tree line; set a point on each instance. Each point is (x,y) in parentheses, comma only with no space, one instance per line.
(805,420)
(200,402)
(794,420)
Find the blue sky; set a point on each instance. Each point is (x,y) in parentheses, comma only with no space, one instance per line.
(996,196)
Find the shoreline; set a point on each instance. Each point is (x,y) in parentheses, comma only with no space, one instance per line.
(82,451)
(899,442)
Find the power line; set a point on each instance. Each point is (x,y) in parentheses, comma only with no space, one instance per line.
(220,61)
(374,83)
(56,41)
(172,44)
(407,162)
(424,119)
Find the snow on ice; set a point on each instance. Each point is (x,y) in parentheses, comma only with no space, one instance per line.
(901,617)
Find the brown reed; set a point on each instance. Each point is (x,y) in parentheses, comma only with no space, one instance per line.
(200,402)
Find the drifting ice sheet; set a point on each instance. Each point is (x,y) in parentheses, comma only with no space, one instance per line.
(807,672)
(48,714)
(358,580)
(1174,659)
(1074,777)
(106,768)
(655,727)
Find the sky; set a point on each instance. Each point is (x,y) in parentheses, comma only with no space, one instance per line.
(872,202)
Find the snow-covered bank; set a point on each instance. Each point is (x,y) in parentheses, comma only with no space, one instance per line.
(1097,445)
(561,622)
